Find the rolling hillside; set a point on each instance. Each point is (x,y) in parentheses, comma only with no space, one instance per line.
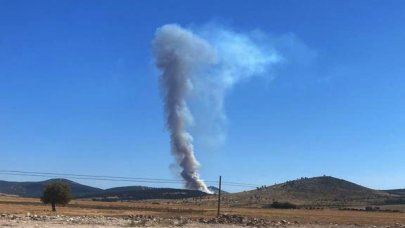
(322,191)
(143,193)
(34,189)
(317,191)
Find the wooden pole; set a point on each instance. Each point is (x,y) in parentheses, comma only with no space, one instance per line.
(219,197)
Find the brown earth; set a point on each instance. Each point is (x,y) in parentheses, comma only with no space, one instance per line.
(191,213)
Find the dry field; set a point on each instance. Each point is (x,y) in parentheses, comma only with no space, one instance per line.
(166,209)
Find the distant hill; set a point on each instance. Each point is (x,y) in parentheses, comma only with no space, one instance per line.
(144,193)
(316,191)
(324,191)
(34,189)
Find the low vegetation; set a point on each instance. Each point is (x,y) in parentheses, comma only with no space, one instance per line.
(281,205)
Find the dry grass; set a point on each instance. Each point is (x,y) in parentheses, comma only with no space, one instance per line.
(15,205)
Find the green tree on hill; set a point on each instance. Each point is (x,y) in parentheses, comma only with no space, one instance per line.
(56,193)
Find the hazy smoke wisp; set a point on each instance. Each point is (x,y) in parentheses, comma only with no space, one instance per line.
(204,67)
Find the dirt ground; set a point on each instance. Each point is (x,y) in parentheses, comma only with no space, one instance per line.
(27,212)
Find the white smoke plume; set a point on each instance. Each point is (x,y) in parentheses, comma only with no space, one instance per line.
(202,66)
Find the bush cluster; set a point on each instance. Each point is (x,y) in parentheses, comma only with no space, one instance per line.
(282,205)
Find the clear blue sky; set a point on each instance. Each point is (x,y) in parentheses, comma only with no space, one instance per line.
(79,92)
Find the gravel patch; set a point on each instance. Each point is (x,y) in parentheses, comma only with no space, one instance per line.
(227,221)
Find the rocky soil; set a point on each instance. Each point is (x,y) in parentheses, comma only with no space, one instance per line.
(227,221)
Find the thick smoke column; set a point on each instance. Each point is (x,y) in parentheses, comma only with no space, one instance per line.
(201,69)
(178,55)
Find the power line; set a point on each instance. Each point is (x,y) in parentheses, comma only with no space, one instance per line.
(109,179)
(158,180)
(95,176)
(88,178)
(112,178)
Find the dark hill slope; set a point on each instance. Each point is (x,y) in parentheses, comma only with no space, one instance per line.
(143,193)
(34,189)
(316,191)
(399,192)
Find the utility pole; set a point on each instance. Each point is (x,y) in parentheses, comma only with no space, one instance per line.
(219,197)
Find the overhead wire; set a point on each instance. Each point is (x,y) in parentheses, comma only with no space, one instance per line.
(114,178)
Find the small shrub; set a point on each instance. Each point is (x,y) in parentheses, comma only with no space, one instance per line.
(281,205)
